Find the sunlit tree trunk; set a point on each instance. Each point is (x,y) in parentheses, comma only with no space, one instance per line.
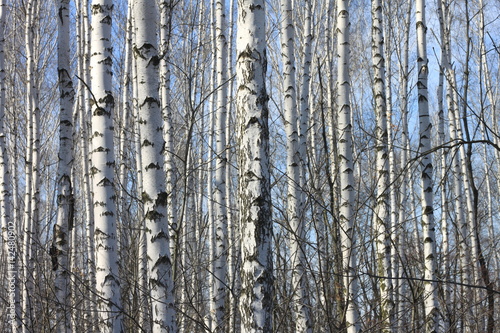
(232,223)
(154,196)
(65,200)
(295,202)
(256,302)
(393,226)
(405,145)
(382,210)
(444,170)
(432,317)
(108,285)
(219,190)
(7,223)
(346,169)
(84,100)
(30,231)
(144,299)
(485,67)
(166,12)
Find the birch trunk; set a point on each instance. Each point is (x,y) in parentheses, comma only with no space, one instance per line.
(84,113)
(430,297)
(393,227)
(404,198)
(382,210)
(65,201)
(220,193)
(460,182)
(154,195)
(144,299)
(346,169)
(484,66)
(7,223)
(295,205)
(31,169)
(256,302)
(107,279)
(232,223)
(166,10)
(444,163)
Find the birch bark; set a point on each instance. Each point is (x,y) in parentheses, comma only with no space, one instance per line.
(346,169)
(166,11)
(7,223)
(31,168)
(102,170)
(382,210)
(430,297)
(256,302)
(220,193)
(84,117)
(295,203)
(404,197)
(154,195)
(65,200)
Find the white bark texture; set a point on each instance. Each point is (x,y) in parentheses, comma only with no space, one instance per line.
(65,209)
(382,210)
(445,266)
(404,197)
(102,169)
(154,195)
(256,302)
(166,9)
(84,117)
(346,169)
(430,287)
(7,223)
(31,168)
(5,192)
(220,192)
(295,202)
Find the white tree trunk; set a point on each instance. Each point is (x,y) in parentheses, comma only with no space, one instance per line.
(430,296)
(31,169)
(256,302)
(382,210)
(393,227)
(65,201)
(154,195)
(7,223)
(84,97)
(346,169)
(166,9)
(232,217)
(144,299)
(295,203)
(220,192)
(404,197)
(107,278)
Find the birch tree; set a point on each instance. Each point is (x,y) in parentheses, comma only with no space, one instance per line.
(154,195)
(220,186)
(65,211)
(425,126)
(295,198)
(166,13)
(31,165)
(382,209)
(256,302)
(107,279)
(7,223)
(346,169)
(84,109)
